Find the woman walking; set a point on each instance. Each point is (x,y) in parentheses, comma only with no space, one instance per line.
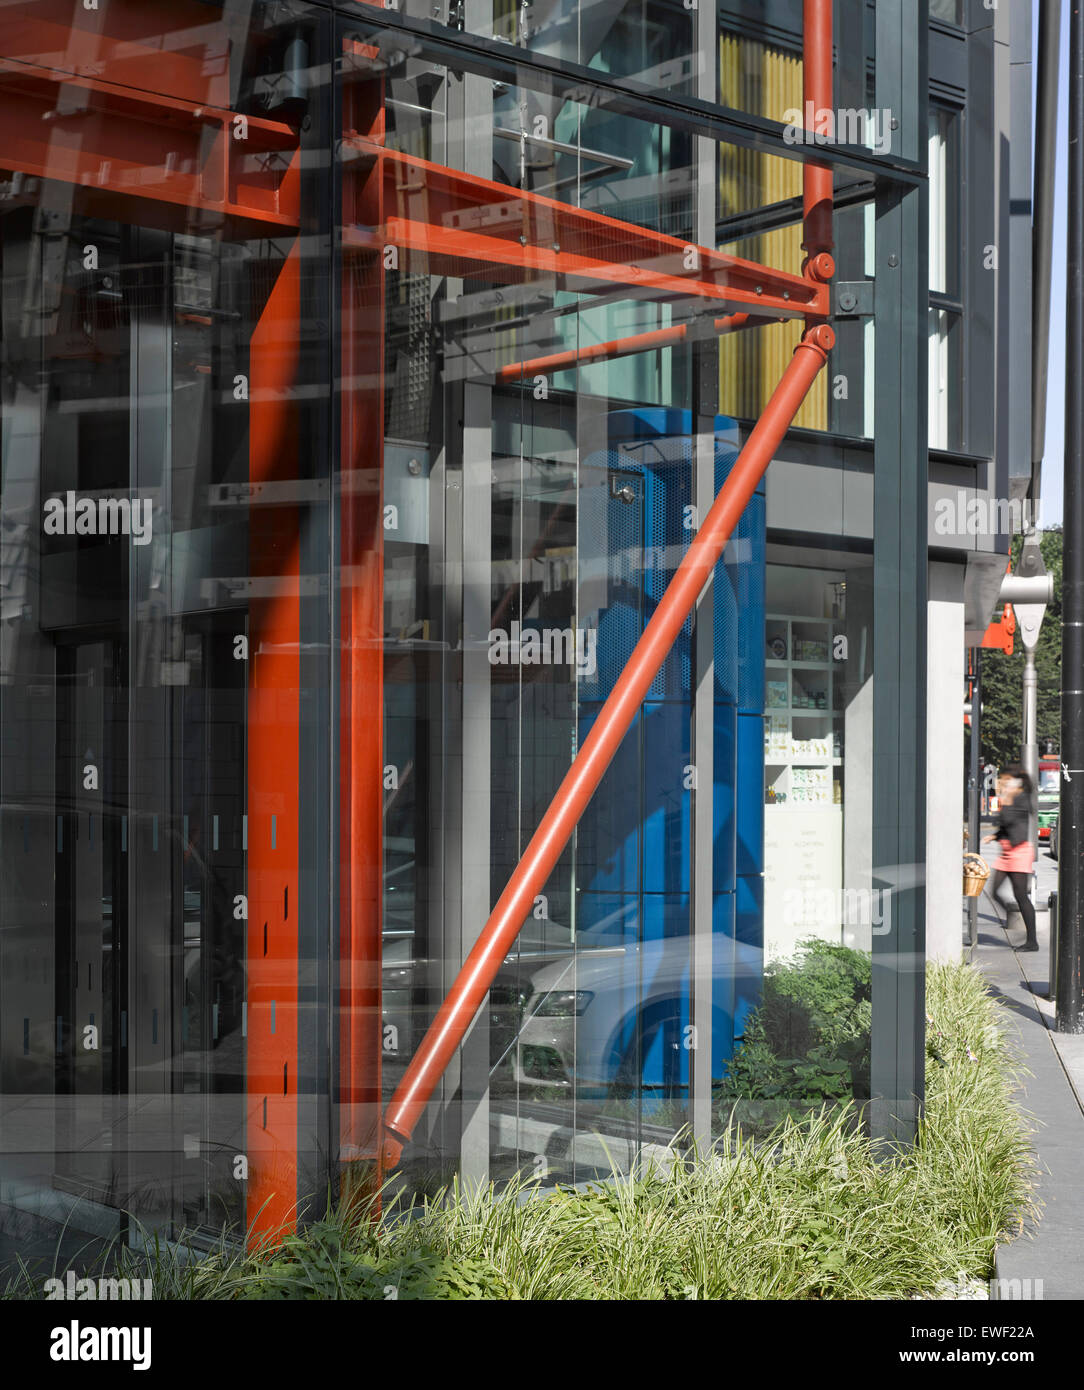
(1017,852)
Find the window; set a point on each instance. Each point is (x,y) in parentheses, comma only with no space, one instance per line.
(950,11)
(946,307)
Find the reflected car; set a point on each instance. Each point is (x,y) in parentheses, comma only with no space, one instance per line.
(617,1018)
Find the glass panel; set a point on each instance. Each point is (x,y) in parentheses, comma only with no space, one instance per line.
(550,328)
(808,1034)
(944,379)
(356,414)
(944,201)
(166,408)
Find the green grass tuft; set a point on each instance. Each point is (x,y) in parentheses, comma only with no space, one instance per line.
(813,1212)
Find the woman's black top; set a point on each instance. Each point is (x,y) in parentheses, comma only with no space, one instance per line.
(1014,823)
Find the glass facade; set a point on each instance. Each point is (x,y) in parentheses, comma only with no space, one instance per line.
(367,376)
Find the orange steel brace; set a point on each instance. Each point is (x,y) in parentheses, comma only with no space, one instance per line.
(474,228)
(652,340)
(547,844)
(590,764)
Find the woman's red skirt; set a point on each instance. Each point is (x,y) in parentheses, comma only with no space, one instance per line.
(1015,859)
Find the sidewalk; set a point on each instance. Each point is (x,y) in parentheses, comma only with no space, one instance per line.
(1053,1095)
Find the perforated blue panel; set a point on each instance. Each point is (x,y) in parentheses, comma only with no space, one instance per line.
(724,983)
(750,773)
(740,602)
(750,587)
(725,805)
(611,595)
(634,845)
(749,949)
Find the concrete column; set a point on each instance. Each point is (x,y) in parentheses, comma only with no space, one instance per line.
(944,761)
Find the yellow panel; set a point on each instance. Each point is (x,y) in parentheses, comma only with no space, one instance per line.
(764,82)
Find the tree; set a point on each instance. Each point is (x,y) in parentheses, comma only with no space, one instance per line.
(1003,676)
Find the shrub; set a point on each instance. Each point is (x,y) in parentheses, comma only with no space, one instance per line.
(808,1040)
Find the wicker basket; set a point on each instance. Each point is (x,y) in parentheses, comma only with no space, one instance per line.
(976,873)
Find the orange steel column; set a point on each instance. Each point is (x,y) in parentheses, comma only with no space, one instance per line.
(361,787)
(588,767)
(817,93)
(273,765)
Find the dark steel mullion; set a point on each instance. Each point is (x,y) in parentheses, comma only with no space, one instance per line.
(704,354)
(899,639)
(468,606)
(316,912)
(498,61)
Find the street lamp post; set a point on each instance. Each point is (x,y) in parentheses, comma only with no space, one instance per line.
(1069,994)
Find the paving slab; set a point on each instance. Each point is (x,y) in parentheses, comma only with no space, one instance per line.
(1050,1249)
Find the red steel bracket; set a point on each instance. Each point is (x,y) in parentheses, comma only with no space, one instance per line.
(149,159)
(1000,635)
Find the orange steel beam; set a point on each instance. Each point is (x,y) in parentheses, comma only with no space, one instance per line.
(588,767)
(125,39)
(622,347)
(474,228)
(470,255)
(142,157)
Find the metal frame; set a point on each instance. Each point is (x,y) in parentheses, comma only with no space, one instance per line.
(705,402)
(401,36)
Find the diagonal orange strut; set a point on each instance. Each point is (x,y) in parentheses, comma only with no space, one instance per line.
(588,767)
(480,968)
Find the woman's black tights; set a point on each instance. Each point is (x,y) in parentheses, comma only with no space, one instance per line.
(1019,884)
